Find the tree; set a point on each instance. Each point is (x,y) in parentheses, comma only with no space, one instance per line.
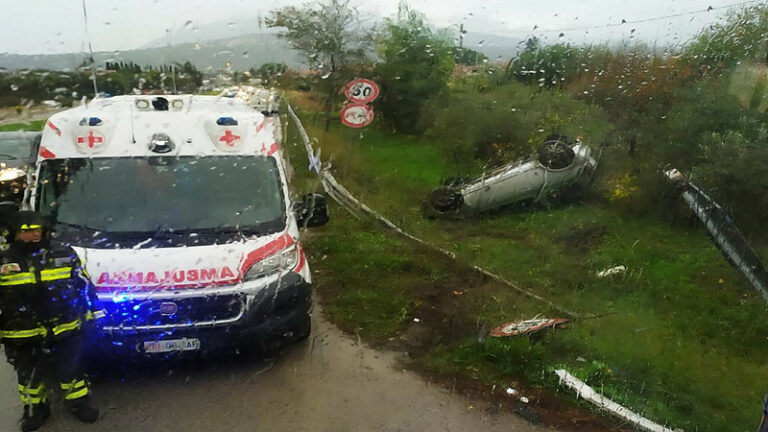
(189,78)
(741,37)
(269,70)
(331,38)
(549,66)
(416,64)
(468,56)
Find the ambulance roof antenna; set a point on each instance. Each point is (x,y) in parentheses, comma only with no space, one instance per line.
(90,52)
(173,65)
(133,134)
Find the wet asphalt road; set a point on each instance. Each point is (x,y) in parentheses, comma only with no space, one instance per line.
(328,383)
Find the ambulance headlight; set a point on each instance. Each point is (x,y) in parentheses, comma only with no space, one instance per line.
(283,260)
(10,174)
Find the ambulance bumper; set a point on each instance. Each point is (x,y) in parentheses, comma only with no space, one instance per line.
(274,316)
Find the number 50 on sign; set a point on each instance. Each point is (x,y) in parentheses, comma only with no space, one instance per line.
(361,91)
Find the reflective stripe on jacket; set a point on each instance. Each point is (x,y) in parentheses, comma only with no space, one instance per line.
(45,293)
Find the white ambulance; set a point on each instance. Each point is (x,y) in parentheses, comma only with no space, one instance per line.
(180,209)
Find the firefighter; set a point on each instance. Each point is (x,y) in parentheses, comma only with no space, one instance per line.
(46,300)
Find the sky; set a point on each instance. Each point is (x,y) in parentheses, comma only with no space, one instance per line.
(58,26)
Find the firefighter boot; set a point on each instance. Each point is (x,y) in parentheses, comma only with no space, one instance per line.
(84,411)
(34,416)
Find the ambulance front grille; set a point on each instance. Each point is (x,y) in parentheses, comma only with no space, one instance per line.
(153,314)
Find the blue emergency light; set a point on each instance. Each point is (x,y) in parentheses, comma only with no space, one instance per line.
(226,121)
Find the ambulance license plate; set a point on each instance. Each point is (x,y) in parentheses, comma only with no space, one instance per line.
(169,345)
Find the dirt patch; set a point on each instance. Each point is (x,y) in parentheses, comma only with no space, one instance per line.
(443,312)
(581,240)
(554,410)
(438,312)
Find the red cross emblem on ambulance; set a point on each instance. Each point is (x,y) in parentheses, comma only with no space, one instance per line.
(229,138)
(91,142)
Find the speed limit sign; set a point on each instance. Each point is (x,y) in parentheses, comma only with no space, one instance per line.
(361,91)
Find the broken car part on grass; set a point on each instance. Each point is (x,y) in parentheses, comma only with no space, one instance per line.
(561,162)
(611,271)
(526,326)
(586,392)
(724,232)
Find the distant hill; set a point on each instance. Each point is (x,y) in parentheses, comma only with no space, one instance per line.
(494,46)
(192,32)
(243,52)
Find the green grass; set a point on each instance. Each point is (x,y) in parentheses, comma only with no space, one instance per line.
(685,345)
(33,126)
(370,299)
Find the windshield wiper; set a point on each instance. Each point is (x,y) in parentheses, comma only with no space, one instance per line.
(7,156)
(77,226)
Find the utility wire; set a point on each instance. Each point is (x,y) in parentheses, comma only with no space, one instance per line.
(644,20)
(90,52)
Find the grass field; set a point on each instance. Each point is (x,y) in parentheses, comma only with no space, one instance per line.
(34,126)
(685,341)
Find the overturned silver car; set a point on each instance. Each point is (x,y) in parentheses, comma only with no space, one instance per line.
(560,163)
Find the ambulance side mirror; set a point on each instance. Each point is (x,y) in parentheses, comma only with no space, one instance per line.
(7,210)
(312,211)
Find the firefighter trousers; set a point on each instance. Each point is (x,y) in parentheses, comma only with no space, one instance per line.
(33,360)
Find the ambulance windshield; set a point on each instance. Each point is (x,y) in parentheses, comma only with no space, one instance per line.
(128,199)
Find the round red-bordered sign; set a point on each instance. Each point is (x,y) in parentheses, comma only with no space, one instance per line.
(361,91)
(357,115)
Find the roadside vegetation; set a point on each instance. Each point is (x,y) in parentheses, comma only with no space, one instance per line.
(685,339)
(679,337)
(33,126)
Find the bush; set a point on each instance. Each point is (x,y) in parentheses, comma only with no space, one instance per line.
(497,125)
(734,173)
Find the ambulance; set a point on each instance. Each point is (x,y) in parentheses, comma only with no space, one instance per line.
(180,210)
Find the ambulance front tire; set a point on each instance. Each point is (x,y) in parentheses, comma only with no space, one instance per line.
(304,330)
(276,342)
(295,336)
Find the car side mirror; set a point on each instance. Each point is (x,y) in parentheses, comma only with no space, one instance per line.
(312,211)
(7,210)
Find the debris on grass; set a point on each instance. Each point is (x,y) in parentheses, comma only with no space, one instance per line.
(526,326)
(611,271)
(586,392)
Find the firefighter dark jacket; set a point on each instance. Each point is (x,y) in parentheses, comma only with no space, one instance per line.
(43,293)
